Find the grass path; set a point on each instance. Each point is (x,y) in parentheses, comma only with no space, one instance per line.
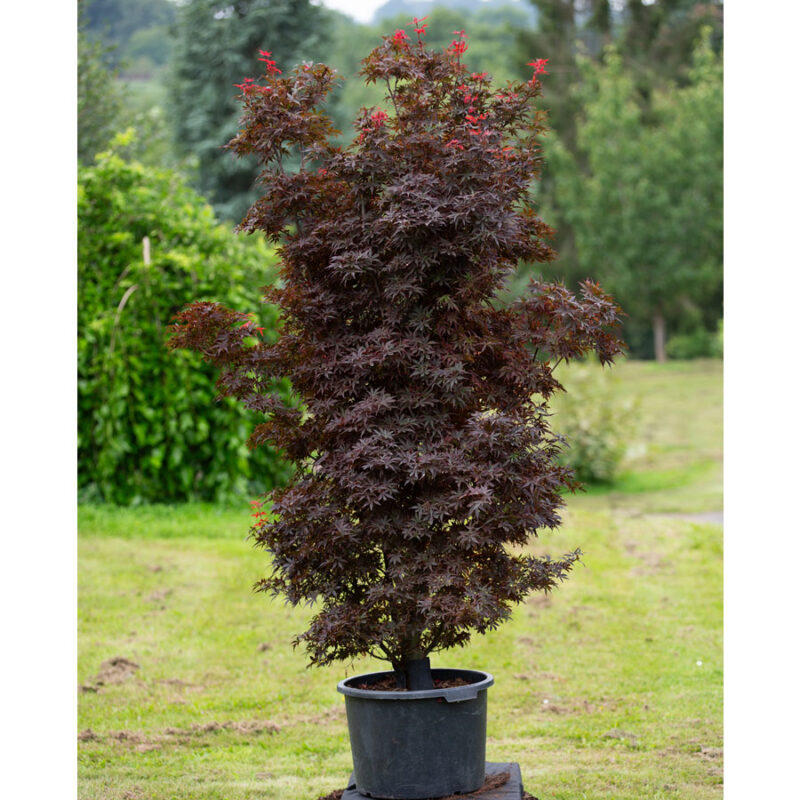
(611,688)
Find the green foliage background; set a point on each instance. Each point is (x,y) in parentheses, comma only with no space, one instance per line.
(633,185)
(643,191)
(149,428)
(100,98)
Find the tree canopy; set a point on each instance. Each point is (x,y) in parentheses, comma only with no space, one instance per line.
(423,453)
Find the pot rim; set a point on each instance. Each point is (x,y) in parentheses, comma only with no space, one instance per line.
(452,694)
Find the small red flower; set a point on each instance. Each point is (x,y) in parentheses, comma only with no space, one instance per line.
(268,61)
(455,143)
(246,86)
(400,37)
(538,66)
(420,28)
(379,117)
(458,46)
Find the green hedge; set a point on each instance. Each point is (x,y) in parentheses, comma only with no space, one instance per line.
(149,429)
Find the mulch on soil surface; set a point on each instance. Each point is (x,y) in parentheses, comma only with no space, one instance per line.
(389,684)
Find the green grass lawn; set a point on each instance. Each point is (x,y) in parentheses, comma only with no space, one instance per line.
(610,688)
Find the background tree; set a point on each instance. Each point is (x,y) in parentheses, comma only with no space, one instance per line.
(657,39)
(645,200)
(148,426)
(563,27)
(108,105)
(100,97)
(654,41)
(138,28)
(217,43)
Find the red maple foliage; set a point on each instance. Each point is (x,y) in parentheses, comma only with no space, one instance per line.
(424,459)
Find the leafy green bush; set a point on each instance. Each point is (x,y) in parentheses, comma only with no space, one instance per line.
(148,427)
(700,343)
(596,423)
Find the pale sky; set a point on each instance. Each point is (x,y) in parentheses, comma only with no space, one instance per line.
(361,10)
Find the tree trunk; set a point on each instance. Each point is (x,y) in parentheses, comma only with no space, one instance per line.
(660,337)
(413,670)
(414,674)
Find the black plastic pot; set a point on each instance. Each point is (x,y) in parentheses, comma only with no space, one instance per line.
(411,745)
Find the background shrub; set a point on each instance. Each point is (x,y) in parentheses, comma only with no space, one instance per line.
(699,343)
(148,428)
(598,424)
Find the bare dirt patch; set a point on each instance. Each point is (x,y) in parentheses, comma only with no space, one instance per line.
(159,595)
(242,726)
(177,683)
(573,705)
(710,753)
(652,564)
(539,676)
(616,733)
(334,712)
(114,670)
(143,741)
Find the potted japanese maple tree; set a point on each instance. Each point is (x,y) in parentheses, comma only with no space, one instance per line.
(424,459)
